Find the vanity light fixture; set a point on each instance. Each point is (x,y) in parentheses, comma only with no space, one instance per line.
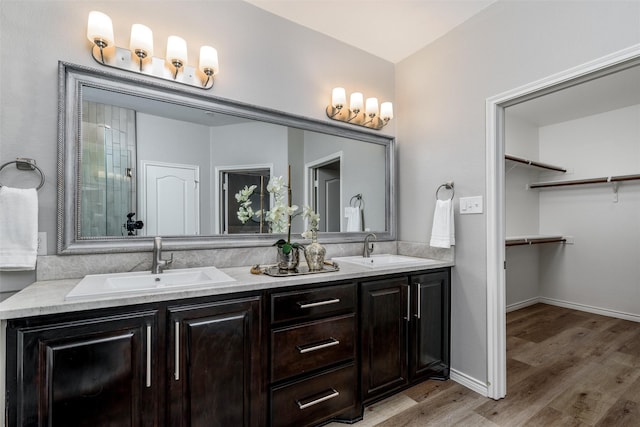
(371,117)
(139,57)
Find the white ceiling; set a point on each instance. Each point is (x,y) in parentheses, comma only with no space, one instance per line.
(610,92)
(389,29)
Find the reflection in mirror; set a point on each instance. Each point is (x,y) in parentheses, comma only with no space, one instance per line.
(156,160)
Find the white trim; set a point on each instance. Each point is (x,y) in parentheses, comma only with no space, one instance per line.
(523,304)
(591,309)
(338,155)
(496,308)
(468,382)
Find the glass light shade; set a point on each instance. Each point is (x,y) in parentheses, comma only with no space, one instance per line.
(176,49)
(208,59)
(372,106)
(356,101)
(100,27)
(386,111)
(141,39)
(338,97)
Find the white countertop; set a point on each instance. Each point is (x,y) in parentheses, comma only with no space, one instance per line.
(48,297)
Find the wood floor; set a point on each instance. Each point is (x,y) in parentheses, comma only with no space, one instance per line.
(564,368)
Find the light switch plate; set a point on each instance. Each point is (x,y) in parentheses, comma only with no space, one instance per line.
(470,205)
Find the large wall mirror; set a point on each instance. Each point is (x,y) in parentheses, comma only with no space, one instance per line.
(142,158)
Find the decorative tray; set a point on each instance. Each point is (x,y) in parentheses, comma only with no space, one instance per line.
(274,271)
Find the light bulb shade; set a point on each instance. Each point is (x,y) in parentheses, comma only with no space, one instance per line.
(372,106)
(141,39)
(208,59)
(100,27)
(386,111)
(176,49)
(356,102)
(338,97)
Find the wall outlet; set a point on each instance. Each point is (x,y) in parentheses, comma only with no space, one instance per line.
(42,243)
(471,205)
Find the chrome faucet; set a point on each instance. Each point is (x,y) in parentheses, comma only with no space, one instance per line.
(158,264)
(368,247)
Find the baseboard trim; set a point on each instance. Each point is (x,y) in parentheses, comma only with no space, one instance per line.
(591,309)
(469,382)
(523,304)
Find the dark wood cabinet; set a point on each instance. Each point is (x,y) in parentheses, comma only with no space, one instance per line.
(213,358)
(295,356)
(99,371)
(313,376)
(384,334)
(405,331)
(431,326)
(214,364)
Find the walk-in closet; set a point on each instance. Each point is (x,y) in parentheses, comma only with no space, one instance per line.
(572,196)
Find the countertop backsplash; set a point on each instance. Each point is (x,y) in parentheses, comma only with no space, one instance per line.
(57,267)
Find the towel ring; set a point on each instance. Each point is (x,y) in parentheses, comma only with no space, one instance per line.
(447,186)
(359,203)
(26,165)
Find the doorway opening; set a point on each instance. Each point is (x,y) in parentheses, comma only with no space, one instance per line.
(233,180)
(496,221)
(325,191)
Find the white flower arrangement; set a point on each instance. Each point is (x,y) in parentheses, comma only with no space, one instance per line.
(313,219)
(245,212)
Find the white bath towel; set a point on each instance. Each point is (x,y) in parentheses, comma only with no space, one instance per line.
(353,218)
(443,232)
(18,228)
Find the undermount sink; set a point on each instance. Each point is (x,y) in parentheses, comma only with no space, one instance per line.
(101,285)
(386,260)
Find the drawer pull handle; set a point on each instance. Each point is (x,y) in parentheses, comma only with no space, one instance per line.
(319,303)
(148,381)
(332,393)
(176,372)
(307,349)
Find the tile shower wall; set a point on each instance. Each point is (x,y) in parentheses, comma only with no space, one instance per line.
(108,186)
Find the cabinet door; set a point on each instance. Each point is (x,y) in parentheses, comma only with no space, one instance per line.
(90,372)
(430,331)
(213,359)
(384,321)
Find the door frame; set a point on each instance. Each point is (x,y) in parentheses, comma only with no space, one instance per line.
(495,182)
(217,173)
(308,176)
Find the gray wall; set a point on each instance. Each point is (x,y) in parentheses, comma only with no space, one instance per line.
(440,96)
(264,60)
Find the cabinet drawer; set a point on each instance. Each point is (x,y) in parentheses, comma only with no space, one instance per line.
(311,303)
(303,348)
(314,399)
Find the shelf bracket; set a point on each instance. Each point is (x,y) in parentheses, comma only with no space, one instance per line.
(614,186)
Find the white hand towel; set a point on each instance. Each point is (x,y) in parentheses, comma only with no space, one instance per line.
(353,219)
(18,228)
(443,232)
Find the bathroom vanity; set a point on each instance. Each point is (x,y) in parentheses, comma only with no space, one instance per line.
(263,351)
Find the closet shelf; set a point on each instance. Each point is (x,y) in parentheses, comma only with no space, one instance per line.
(533,240)
(602,180)
(534,163)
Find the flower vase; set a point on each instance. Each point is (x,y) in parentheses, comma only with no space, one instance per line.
(314,253)
(290,261)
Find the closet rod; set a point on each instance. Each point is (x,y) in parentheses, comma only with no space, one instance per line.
(534,241)
(602,180)
(534,163)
